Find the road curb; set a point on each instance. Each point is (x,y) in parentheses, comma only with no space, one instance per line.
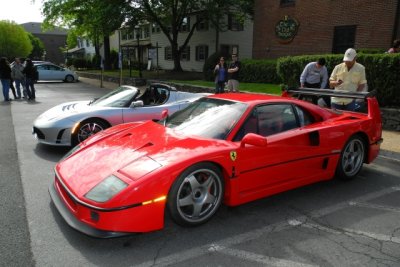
(389,154)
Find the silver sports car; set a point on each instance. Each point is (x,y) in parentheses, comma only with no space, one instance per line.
(70,123)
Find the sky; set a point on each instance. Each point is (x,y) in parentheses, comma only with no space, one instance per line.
(21,11)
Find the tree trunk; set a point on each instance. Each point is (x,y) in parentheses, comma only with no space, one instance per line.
(216,39)
(177,64)
(177,57)
(107,63)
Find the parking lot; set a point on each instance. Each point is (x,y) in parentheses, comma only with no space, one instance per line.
(331,223)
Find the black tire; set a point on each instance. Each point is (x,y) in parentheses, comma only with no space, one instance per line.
(196,194)
(69,78)
(351,159)
(88,128)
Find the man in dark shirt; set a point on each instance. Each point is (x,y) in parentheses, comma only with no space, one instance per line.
(233,74)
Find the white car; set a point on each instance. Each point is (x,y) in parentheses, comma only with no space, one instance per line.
(51,72)
(70,123)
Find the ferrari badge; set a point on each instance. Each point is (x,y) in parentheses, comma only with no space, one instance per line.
(233,155)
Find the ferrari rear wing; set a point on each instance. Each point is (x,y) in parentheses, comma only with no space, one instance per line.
(327,92)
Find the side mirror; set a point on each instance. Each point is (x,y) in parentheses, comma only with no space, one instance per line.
(254,140)
(138,103)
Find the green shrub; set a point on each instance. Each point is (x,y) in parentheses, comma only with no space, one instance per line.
(96,62)
(259,71)
(371,50)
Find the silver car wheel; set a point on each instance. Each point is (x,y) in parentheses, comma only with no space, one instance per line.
(69,78)
(88,129)
(353,157)
(196,194)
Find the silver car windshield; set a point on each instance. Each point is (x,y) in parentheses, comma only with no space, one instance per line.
(120,97)
(208,118)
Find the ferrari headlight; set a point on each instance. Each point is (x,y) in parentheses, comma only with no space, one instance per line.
(106,189)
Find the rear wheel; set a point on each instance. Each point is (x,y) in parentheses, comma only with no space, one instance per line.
(87,129)
(196,194)
(351,159)
(69,78)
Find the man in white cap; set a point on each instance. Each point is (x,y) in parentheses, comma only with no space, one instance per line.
(347,76)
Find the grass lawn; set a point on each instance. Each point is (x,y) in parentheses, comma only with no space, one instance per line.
(249,87)
(193,78)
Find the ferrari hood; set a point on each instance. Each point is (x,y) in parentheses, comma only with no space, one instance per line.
(133,152)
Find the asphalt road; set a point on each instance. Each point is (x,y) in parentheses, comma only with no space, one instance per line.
(333,223)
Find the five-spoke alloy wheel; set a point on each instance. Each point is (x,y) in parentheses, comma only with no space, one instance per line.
(196,194)
(351,159)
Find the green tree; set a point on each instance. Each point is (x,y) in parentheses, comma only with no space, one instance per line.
(14,40)
(170,16)
(38,47)
(216,11)
(91,18)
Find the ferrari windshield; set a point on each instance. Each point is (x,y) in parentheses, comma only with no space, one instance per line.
(207,117)
(120,97)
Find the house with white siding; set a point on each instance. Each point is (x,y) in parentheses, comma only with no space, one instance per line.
(84,49)
(155,47)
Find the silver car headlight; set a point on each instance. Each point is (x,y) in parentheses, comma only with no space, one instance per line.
(106,189)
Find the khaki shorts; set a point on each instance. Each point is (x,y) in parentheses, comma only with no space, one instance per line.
(233,86)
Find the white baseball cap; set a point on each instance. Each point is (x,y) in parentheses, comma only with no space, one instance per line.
(349,55)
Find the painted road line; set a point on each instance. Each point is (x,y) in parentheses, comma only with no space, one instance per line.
(253,257)
(255,234)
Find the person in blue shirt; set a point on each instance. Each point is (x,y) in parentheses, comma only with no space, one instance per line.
(5,77)
(221,75)
(314,75)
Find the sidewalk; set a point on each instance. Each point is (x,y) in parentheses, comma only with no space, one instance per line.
(390,148)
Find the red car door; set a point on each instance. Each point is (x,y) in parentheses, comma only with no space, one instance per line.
(293,156)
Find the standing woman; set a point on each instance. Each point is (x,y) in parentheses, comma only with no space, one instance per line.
(31,77)
(5,77)
(221,74)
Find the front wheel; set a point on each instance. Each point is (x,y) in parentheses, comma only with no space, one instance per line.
(87,129)
(196,194)
(351,159)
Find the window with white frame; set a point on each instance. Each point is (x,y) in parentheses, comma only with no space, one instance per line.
(185,55)
(234,24)
(130,35)
(185,24)
(227,50)
(155,28)
(168,53)
(201,52)
(203,23)
(146,32)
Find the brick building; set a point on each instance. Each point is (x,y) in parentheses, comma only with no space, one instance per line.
(296,27)
(53,40)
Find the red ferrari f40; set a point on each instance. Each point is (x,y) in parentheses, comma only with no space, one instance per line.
(222,149)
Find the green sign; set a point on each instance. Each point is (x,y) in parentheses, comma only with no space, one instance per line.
(286,29)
